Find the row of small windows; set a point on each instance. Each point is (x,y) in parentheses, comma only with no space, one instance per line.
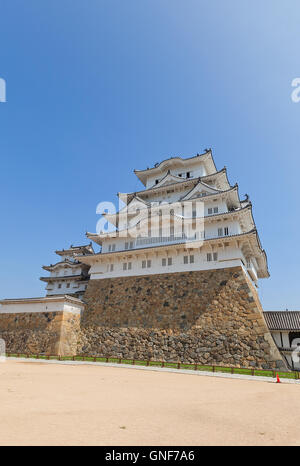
(68,272)
(222,231)
(67,285)
(167,261)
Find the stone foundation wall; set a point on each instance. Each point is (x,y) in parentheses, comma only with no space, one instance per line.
(40,332)
(208,317)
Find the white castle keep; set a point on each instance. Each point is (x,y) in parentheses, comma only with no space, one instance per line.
(187,218)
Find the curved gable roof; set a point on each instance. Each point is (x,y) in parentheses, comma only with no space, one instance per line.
(168,179)
(201,186)
(206,158)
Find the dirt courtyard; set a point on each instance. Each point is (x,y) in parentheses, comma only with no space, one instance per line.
(53,404)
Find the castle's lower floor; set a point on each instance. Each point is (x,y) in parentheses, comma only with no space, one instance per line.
(205,317)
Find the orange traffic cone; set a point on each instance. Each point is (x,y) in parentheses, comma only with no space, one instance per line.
(277,379)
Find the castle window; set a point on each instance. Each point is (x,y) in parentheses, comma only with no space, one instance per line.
(131,244)
(68,285)
(188,174)
(111,267)
(125,266)
(126,245)
(113,247)
(129,265)
(156,181)
(164,262)
(169,260)
(109,248)
(226,232)
(208,257)
(215,256)
(187,259)
(146,264)
(209,211)
(216,210)
(220,231)
(59,285)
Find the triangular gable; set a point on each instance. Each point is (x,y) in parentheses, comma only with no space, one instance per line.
(135,204)
(201,189)
(168,179)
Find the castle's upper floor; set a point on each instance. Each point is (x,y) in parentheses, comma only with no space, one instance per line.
(192,167)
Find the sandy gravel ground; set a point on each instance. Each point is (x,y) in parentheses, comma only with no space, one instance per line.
(43,404)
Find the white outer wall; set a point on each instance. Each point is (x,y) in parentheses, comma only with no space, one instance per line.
(46,306)
(227,257)
(52,288)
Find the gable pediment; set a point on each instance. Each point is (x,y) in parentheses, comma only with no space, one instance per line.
(200,190)
(167,180)
(134,205)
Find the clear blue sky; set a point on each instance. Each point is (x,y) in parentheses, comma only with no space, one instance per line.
(96,88)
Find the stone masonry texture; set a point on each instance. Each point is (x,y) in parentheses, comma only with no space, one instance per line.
(40,332)
(205,317)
